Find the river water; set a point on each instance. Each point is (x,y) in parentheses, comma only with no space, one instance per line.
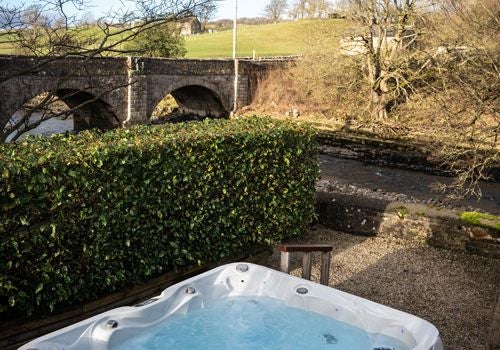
(48,127)
(355,177)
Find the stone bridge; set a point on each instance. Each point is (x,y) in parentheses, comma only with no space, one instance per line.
(110,92)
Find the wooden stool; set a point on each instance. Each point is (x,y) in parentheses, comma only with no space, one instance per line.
(325,250)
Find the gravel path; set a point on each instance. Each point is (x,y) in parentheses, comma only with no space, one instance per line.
(454,291)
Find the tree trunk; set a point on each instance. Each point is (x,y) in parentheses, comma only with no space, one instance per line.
(378,104)
(378,95)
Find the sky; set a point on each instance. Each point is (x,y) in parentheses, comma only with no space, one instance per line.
(246,8)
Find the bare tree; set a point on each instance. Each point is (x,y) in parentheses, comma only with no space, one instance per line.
(387,28)
(318,8)
(427,70)
(49,32)
(88,19)
(206,14)
(275,9)
(310,9)
(298,9)
(464,89)
(436,64)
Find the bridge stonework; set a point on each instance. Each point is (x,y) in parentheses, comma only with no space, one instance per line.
(125,90)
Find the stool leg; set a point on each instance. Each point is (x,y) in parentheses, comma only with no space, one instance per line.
(285,262)
(325,268)
(306,266)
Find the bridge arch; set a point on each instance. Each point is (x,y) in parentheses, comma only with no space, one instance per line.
(198,98)
(84,109)
(90,112)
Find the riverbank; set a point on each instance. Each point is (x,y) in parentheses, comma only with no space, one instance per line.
(371,200)
(358,177)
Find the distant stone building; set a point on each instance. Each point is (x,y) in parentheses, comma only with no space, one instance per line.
(352,46)
(190,26)
(336,15)
(407,40)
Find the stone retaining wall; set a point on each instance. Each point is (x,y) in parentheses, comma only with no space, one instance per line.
(437,227)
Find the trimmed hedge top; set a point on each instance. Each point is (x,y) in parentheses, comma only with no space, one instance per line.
(84,215)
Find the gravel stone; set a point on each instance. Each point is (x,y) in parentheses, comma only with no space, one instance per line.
(455,291)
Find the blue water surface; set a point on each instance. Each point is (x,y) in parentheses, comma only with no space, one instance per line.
(255,323)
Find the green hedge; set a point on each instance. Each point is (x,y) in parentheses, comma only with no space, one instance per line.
(84,215)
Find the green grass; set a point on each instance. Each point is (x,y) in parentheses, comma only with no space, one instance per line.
(402,212)
(482,220)
(6,46)
(285,38)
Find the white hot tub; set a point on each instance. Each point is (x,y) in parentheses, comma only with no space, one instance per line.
(246,306)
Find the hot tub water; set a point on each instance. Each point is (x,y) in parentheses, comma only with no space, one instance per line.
(256,323)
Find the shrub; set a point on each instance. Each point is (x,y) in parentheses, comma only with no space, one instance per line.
(87,214)
(158,41)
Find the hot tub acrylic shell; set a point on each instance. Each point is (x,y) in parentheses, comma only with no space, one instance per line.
(233,280)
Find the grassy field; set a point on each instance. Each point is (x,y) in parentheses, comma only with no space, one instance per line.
(6,47)
(285,38)
(9,47)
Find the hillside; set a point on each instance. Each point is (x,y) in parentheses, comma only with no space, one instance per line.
(6,47)
(285,38)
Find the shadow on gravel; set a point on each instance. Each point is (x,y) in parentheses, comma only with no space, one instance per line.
(455,292)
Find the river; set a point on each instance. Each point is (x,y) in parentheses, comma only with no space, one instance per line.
(48,127)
